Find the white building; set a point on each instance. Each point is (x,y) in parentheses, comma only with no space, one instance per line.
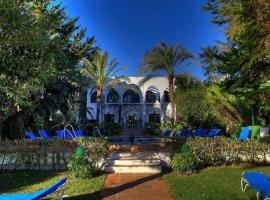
(132,105)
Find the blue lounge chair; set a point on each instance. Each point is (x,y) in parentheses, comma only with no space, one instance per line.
(60,133)
(200,132)
(44,135)
(258,181)
(167,133)
(244,134)
(37,195)
(78,133)
(64,134)
(213,133)
(185,133)
(31,135)
(96,132)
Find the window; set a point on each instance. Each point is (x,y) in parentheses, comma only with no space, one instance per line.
(166,96)
(150,97)
(112,97)
(131,96)
(94,97)
(155,118)
(109,117)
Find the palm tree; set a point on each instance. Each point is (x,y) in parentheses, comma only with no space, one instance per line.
(102,74)
(164,58)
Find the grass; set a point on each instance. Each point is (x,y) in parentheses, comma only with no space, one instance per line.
(212,183)
(31,181)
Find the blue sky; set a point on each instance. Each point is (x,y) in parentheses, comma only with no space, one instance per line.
(127,28)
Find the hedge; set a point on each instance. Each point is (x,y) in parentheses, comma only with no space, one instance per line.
(27,154)
(222,150)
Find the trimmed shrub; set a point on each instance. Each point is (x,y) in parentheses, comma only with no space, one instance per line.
(173,127)
(96,150)
(34,154)
(80,167)
(151,128)
(110,128)
(186,164)
(221,151)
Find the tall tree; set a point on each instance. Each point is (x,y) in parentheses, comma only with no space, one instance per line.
(102,74)
(243,60)
(164,58)
(40,48)
(215,107)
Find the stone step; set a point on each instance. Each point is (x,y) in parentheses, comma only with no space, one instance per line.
(133,169)
(140,155)
(133,162)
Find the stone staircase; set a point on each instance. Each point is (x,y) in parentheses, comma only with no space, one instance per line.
(140,162)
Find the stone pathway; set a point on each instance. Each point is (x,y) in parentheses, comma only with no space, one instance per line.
(133,131)
(135,186)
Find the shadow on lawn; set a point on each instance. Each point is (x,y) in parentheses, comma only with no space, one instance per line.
(14,180)
(92,196)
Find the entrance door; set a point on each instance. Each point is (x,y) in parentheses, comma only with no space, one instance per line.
(132,121)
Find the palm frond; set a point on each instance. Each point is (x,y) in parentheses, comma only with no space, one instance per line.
(100,72)
(165,58)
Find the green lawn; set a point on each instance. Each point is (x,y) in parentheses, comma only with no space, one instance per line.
(31,181)
(215,183)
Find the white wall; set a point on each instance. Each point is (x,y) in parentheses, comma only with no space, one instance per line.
(162,108)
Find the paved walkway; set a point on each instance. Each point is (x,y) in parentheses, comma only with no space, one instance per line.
(133,131)
(135,186)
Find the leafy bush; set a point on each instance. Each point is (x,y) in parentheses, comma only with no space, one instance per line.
(29,154)
(184,164)
(266,139)
(223,151)
(80,167)
(235,130)
(110,128)
(96,150)
(90,126)
(166,126)
(151,128)
(173,127)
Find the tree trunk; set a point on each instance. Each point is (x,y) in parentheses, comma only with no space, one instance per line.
(172,97)
(13,127)
(99,95)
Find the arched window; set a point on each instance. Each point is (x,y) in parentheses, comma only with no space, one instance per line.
(112,97)
(150,97)
(131,96)
(94,97)
(166,96)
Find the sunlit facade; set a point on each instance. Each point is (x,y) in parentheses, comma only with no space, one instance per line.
(132,105)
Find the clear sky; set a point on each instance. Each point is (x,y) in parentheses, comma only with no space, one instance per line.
(127,28)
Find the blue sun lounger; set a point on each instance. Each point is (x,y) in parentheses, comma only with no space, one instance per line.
(44,135)
(31,135)
(244,134)
(213,133)
(64,134)
(167,133)
(78,133)
(37,195)
(185,133)
(200,132)
(258,181)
